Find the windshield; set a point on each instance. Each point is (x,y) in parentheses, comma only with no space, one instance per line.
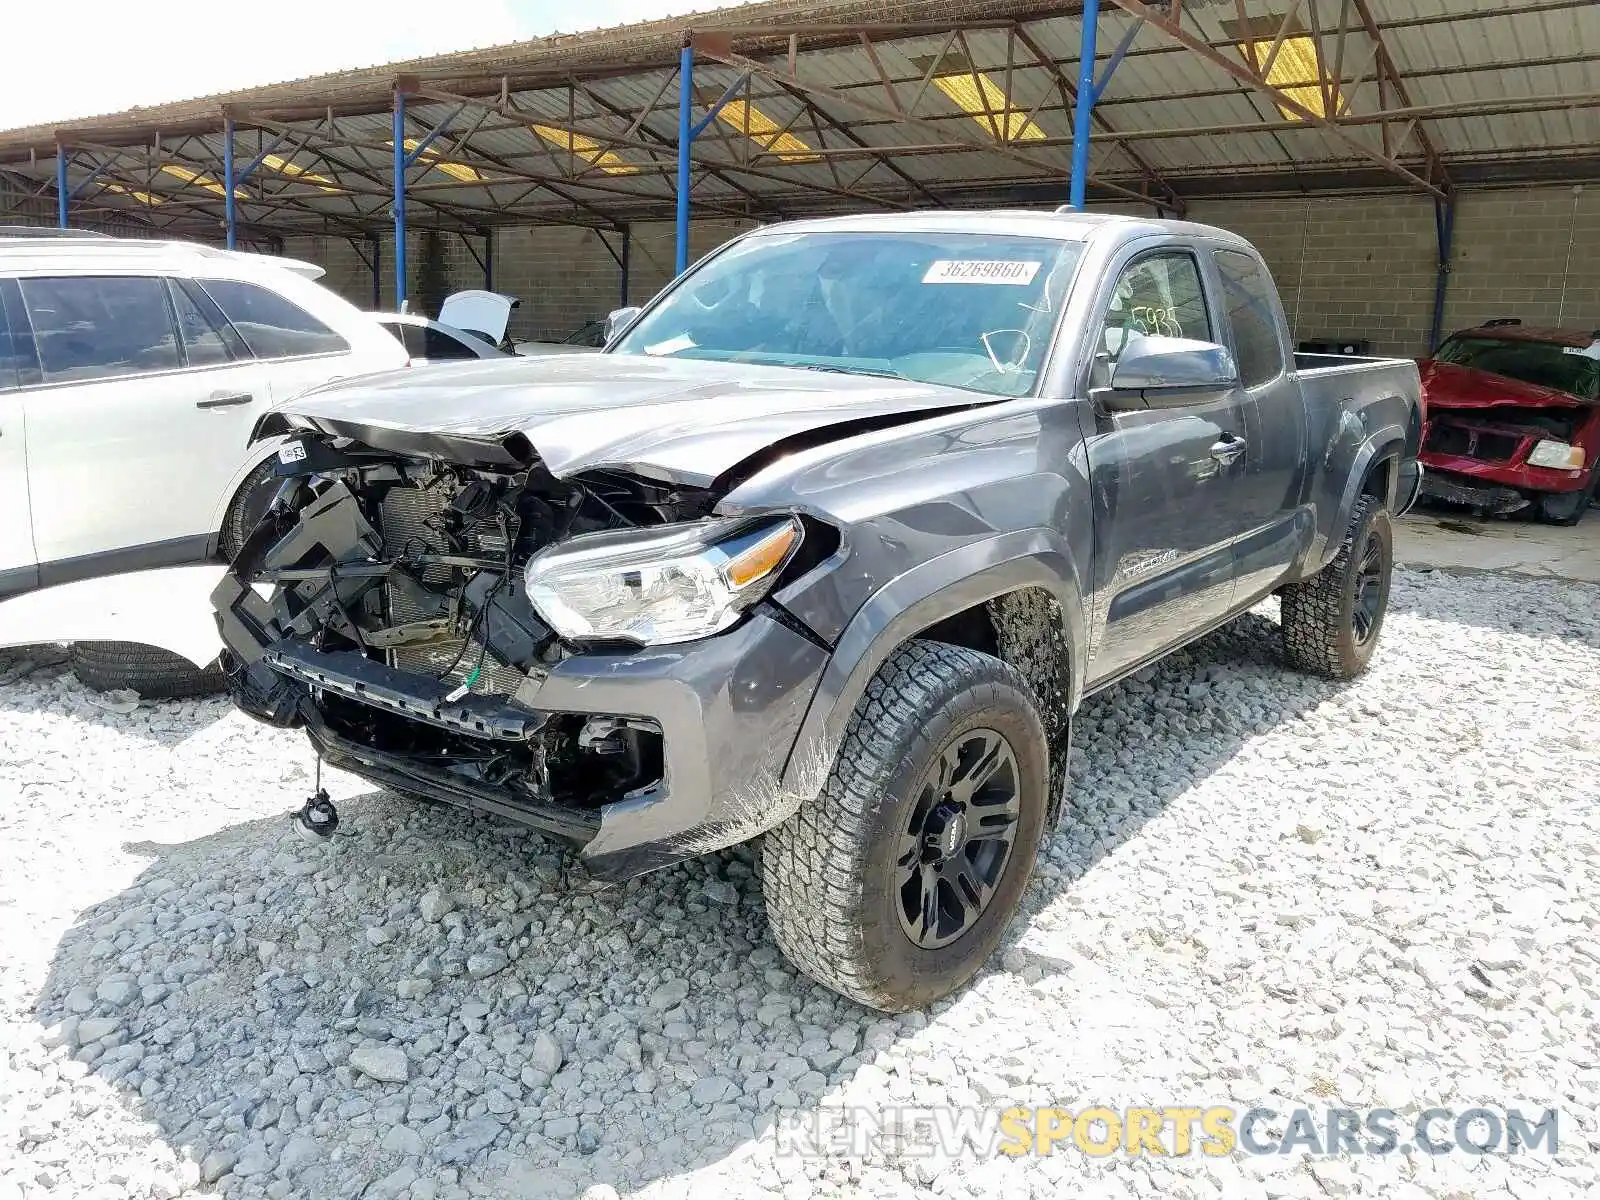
(1565,368)
(971,311)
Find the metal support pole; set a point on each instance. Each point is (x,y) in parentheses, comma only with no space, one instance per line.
(1444,223)
(685,140)
(399,201)
(627,239)
(227,184)
(1084,109)
(61,186)
(488,260)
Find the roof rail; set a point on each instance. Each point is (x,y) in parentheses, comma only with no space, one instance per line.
(47,231)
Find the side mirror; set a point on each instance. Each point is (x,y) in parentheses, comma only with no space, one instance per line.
(619,320)
(1153,371)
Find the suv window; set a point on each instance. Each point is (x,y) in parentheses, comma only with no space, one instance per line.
(438,345)
(1247,291)
(100,327)
(1159,294)
(270,325)
(206,339)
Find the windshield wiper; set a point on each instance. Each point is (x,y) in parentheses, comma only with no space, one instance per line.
(874,372)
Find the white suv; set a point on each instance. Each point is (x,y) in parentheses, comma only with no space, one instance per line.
(131,374)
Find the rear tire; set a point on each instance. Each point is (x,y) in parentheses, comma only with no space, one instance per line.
(249,505)
(861,884)
(154,673)
(1331,621)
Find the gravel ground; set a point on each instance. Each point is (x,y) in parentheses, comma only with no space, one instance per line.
(1269,889)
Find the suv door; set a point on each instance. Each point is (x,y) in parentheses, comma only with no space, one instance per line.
(1166,481)
(1280,524)
(18,564)
(299,351)
(138,422)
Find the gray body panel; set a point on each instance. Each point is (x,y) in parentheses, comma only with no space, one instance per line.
(1142,529)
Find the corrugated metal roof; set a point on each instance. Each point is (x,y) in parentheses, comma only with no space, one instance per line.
(1508,83)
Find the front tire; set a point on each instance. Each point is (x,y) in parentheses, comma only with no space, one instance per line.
(154,673)
(896,883)
(1331,621)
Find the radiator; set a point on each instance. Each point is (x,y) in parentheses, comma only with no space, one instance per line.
(404,522)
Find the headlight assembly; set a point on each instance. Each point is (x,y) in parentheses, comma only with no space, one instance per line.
(1556,454)
(655,587)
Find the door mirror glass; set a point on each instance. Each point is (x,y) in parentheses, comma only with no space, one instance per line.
(1153,370)
(619,320)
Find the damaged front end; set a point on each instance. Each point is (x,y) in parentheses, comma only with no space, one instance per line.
(383,604)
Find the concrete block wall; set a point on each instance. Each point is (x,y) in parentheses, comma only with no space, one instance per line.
(1347,266)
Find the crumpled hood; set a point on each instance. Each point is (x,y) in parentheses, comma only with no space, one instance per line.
(1445,385)
(679,420)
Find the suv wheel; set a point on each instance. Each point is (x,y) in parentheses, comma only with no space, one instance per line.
(1332,620)
(895,884)
(249,505)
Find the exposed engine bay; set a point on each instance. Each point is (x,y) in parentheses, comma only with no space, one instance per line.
(394,618)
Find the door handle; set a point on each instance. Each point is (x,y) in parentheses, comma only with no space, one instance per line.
(225,400)
(1228,449)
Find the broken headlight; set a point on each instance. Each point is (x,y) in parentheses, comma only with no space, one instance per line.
(675,583)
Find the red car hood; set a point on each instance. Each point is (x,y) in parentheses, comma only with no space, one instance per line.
(1445,385)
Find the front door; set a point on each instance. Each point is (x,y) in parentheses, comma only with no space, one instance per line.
(1166,482)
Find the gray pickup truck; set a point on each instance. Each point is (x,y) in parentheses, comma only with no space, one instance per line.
(827,545)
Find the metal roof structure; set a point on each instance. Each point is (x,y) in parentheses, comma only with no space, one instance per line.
(858,104)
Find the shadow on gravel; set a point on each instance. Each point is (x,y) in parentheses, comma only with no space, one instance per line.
(249,994)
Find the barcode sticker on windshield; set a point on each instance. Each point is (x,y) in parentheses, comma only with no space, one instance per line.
(973,270)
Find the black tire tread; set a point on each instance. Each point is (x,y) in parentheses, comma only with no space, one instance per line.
(154,673)
(814,864)
(1313,609)
(234,529)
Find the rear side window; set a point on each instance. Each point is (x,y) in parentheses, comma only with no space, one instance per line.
(207,340)
(100,327)
(270,325)
(19,365)
(440,345)
(1247,293)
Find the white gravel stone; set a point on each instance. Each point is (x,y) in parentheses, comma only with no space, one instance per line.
(1265,889)
(387,1064)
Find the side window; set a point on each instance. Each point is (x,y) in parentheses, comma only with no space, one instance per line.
(442,345)
(100,327)
(206,338)
(1247,292)
(270,325)
(19,365)
(1159,294)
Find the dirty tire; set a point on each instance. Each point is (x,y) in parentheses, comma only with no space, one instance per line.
(249,506)
(1320,629)
(155,674)
(829,872)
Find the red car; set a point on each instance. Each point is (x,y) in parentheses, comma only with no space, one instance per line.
(1513,419)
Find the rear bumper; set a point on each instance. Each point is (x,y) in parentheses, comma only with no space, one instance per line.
(729,709)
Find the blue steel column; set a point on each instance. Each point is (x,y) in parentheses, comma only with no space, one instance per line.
(399,200)
(1085,106)
(685,140)
(227,182)
(61,185)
